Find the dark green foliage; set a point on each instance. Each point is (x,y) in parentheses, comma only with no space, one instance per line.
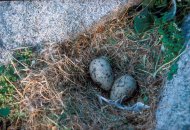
(172,39)
(9,76)
(24,56)
(164,22)
(143,21)
(173,70)
(4,112)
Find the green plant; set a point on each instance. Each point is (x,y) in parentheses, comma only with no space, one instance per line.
(10,75)
(172,39)
(157,17)
(173,70)
(7,77)
(143,21)
(4,112)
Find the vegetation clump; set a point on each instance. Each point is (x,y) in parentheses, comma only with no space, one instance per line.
(163,17)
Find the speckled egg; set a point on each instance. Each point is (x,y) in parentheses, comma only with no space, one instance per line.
(123,87)
(101,72)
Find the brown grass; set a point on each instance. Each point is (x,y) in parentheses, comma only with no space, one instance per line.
(59,93)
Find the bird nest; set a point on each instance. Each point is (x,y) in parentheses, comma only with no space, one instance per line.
(59,93)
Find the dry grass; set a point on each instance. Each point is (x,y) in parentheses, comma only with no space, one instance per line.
(58,91)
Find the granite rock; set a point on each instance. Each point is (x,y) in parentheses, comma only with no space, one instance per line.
(24,23)
(173,112)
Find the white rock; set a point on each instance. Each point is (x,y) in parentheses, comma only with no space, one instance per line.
(39,22)
(123,87)
(101,72)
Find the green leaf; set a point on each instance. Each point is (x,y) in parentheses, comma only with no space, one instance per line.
(173,70)
(14,78)
(4,112)
(63,116)
(2,68)
(3,90)
(10,70)
(143,21)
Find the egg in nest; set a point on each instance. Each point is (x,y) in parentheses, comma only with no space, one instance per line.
(101,73)
(123,87)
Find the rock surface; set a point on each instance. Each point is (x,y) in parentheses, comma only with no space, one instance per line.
(173,112)
(25,23)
